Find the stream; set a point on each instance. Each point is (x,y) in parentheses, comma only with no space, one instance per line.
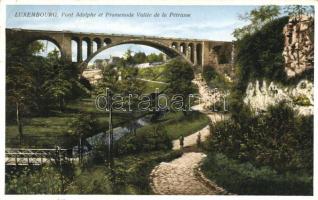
(102,138)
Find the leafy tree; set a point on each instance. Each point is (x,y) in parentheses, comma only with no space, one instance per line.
(19,79)
(257,19)
(19,84)
(84,126)
(179,76)
(131,85)
(157,139)
(57,89)
(36,84)
(129,57)
(298,10)
(139,57)
(155,58)
(110,76)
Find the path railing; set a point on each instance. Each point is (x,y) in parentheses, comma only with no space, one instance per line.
(36,156)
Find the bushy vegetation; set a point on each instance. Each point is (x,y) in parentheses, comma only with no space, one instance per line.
(177,124)
(156,73)
(49,179)
(260,54)
(301,100)
(159,134)
(246,179)
(280,140)
(140,57)
(214,79)
(156,139)
(130,175)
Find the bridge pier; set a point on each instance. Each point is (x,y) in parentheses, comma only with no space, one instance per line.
(79,51)
(195,61)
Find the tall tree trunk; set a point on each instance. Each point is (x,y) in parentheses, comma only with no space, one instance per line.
(19,122)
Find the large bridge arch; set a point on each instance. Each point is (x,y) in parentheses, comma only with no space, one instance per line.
(29,41)
(147,42)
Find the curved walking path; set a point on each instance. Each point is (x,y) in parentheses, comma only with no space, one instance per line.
(191,140)
(182,175)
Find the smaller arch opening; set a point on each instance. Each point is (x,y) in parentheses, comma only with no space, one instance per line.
(174,45)
(96,44)
(44,48)
(75,49)
(191,52)
(183,48)
(107,41)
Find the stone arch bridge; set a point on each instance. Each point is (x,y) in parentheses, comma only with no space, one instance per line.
(218,54)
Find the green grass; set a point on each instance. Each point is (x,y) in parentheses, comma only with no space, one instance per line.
(151,87)
(48,131)
(177,124)
(153,73)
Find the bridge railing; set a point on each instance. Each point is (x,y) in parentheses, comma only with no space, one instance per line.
(36,156)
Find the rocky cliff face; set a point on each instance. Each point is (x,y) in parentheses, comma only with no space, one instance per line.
(300,97)
(299,45)
(299,56)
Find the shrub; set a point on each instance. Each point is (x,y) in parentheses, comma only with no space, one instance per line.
(279,139)
(214,79)
(301,100)
(93,181)
(156,139)
(130,175)
(46,180)
(244,178)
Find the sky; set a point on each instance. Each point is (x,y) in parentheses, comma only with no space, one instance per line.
(205,22)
